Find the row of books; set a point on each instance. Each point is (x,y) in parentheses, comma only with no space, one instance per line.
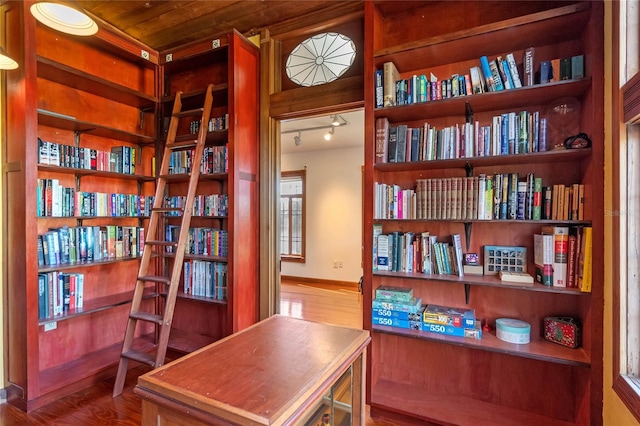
(66,245)
(563,256)
(59,293)
(397,307)
(501,196)
(216,205)
(509,133)
(214,160)
(490,75)
(201,241)
(55,200)
(416,252)
(494,75)
(205,279)
(121,159)
(215,123)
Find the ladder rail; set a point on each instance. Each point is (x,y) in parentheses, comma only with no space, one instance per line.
(167,310)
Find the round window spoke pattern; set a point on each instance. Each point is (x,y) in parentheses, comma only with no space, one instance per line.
(320,59)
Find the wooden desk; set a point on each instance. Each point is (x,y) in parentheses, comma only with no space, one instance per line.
(276,372)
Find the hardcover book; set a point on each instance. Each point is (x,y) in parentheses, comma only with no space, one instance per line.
(390,76)
(560,253)
(543,258)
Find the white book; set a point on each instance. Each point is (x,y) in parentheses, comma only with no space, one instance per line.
(383,253)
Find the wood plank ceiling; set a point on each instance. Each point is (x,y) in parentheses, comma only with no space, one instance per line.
(164,24)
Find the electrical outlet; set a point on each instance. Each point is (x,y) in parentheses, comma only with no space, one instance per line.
(48,326)
(339,263)
(335,264)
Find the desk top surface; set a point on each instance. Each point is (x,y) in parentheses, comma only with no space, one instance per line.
(261,374)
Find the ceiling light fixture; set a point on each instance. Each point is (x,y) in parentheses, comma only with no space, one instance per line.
(327,136)
(64,18)
(6,63)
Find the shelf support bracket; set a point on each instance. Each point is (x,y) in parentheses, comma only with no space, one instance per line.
(468,112)
(467,234)
(141,118)
(467,290)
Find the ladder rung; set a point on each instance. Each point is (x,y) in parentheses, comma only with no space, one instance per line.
(155,279)
(146,316)
(167,209)
(189,112)
(143,357)
(161,243)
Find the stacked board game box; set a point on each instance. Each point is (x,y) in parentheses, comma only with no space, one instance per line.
(396,307)
(451,321)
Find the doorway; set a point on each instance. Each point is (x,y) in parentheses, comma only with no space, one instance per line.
(323,286)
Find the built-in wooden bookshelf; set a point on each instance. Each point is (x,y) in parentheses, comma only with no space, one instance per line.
(229,62)
(105,92)
(457,380)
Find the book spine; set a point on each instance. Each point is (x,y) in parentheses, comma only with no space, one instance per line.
(379,88)
(513,69)
(577,67)
(488,76)
(529,72)
(382,138)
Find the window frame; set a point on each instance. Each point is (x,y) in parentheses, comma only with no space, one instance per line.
(302,174)
(626,142)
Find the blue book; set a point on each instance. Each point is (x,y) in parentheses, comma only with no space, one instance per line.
(507,73)
(486,72)
(379,88)
(545,71)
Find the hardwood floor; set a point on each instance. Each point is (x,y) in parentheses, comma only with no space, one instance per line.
(96,406)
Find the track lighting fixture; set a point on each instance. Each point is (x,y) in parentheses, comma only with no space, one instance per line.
(336,121)
(64,18)
(6,63)
(330,132)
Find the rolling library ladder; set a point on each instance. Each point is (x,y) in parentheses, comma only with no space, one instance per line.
(170,283)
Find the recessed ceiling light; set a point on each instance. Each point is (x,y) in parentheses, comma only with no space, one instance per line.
(64,18)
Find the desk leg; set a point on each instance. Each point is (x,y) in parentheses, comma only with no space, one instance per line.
(359,384)
(149,413)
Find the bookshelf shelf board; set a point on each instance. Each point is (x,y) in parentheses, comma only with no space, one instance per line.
(194,216)
(484,280)
(186,342)
(61,121)
(538,348)
(539,29)
(101,363)
(553,156)
(435,406)
(88,172)
(219,259)
(99,304)
(63,74)
(498,221)
(93,217)
(202,299)
(76,265)
(183,177)
(215,137)
(517,99)
(198,95)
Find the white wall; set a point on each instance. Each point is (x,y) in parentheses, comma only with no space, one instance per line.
(334,213)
